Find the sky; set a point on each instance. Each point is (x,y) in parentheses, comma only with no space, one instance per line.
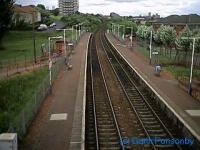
(129,7)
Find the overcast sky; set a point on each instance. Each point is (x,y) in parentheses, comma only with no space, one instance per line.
(129,7)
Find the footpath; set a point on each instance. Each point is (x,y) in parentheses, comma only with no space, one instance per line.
(52,127)
(185,107)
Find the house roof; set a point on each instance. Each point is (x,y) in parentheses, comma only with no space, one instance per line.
(176,19)
(24,9)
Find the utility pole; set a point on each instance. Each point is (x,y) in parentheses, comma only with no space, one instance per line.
(192,61)
(131,35)
(34,47)
(150,47)
(118,31)
(50,61)
(64,37)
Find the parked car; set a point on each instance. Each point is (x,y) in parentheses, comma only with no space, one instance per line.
(42,27)
(52,25)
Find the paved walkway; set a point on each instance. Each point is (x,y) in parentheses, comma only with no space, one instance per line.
(167,87)
(51,130)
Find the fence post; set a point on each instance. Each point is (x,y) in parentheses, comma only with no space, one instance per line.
(7,70)
(23,122)
(25,62)
(44,92)
(35,100)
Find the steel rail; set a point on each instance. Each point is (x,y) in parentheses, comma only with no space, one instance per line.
(93,97)
(111,105)
(146,102)
(98,143)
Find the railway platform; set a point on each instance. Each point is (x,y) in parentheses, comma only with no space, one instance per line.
(180,103)
(60,122)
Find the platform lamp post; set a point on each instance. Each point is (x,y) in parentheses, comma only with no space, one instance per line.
(80,26)
(150,47)
(113,28)
(76,32)
(114,25)
(50,60)
(64,38)
(131,35)
(118,26)
(123,33)
(34,47)
(72,34)
(192,61)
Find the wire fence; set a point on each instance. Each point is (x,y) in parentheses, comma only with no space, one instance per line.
(21,122)
(168,56)
(17,65)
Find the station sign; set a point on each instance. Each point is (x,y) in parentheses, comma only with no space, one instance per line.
(155,53)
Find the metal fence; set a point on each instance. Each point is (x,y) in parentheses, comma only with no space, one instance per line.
(21,122)
(13,66)
(171,56)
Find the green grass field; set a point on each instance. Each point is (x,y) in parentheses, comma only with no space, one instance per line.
(19,44)
(162,58)
(182,71)
(16,92)
(55,17)
(177,71)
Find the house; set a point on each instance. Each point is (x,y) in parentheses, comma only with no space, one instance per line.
(178,22)
(115,15)
(27,13)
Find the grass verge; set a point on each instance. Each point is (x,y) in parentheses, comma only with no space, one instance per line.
(19,44)
(182,71)
(16,92)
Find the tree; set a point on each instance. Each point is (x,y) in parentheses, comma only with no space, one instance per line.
(184,44)
(55,12)
(141,32)
(6,12)
(90,22)
(197,43)
(167,36)
(45,16)
(128,23)
(41,6)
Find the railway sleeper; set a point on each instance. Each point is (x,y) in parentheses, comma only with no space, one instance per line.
(161,135)
(106,134)
(100,122)
(151,122)
(156,130)
(111,139)
(104,130)
(148,115)
(106,126)
(142,109)
(153,126)
(111,148)
(166,146)
(108,144)
(145,112)
(102,116)
(147,119)
(139,104)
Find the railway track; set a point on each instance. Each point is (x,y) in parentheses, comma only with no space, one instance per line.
(147,116)
(102,130)
(105,122)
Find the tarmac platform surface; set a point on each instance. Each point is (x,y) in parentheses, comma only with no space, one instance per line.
(185,107)
(60,121)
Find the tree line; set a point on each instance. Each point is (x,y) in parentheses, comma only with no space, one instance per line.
(167,39)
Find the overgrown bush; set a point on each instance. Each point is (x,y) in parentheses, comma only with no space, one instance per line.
(21,25)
